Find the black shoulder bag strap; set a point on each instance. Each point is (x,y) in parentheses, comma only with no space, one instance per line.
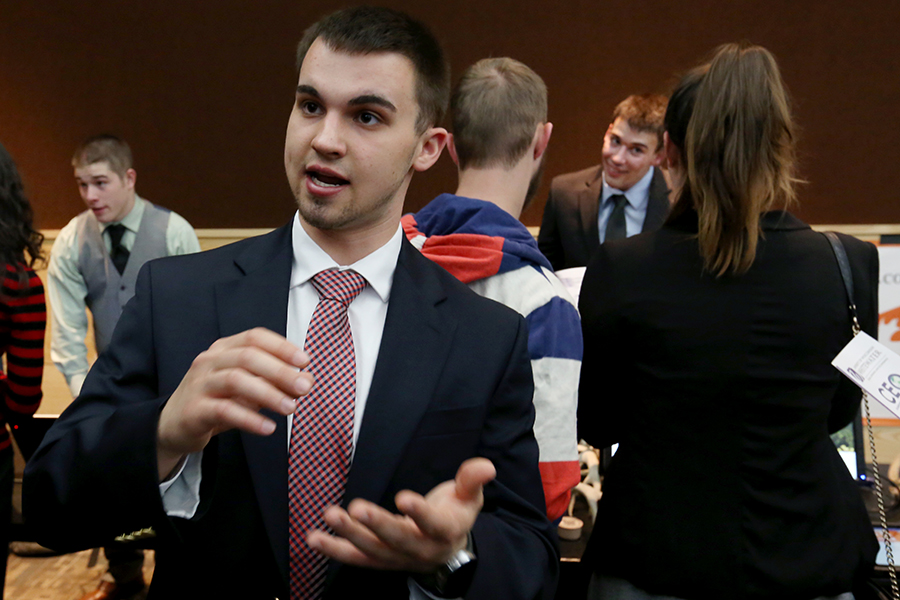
(841,255)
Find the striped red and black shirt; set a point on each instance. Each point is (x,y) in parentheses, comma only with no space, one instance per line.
(23,319)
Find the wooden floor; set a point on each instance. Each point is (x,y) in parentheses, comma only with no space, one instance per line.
(65,577)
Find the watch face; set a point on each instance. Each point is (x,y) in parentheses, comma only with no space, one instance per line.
(459,560)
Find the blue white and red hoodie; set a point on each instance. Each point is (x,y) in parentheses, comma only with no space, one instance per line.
(494,254)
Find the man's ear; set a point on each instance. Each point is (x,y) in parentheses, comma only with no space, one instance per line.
(130,178)
(433,142)
(451,148)
(542,138)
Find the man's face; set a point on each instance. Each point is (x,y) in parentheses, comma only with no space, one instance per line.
(109,196)
(351,143)
(628,154)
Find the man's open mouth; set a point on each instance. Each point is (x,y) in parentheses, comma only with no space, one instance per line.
(325,180)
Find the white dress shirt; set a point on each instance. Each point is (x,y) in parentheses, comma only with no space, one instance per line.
(367,311)
(637,196)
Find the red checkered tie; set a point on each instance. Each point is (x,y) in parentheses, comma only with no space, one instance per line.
(322,428)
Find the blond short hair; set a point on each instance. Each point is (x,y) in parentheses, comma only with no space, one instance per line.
(104,148)
(496,108)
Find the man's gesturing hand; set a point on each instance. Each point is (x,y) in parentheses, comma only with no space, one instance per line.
(430,530)
(226,387)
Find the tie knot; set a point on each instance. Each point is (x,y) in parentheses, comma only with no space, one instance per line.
(115,233)
(335,284)
(618,200)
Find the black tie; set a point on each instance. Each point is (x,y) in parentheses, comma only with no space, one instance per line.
(615,226)
(119,253)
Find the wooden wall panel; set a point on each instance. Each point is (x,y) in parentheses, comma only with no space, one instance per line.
(202,90)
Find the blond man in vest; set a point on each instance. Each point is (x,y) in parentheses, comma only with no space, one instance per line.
(93,266)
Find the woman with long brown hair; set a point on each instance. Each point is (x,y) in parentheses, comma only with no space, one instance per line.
(707,350)
(22,322)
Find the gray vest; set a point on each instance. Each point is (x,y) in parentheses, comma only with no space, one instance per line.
(108,292)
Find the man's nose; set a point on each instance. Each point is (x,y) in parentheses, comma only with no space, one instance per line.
(329,139)
(90,193)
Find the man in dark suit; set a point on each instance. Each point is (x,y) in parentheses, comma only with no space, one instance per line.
(624,195)
(407,464)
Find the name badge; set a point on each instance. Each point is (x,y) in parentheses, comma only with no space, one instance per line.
(874,368)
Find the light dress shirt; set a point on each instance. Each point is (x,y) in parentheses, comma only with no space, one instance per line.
(367,313)
(637,196)
(67,290)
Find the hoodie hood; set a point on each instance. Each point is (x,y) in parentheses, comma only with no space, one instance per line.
(472,239)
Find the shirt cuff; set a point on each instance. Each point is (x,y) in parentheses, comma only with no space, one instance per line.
(181,493)
(76,381)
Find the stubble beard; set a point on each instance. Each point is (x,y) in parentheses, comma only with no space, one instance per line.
(534,184)
(317,212)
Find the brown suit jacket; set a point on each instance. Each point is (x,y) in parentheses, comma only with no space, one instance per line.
(569,236)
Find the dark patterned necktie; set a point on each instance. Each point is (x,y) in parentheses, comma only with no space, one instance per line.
(119,254)
(322,427)
(615,226)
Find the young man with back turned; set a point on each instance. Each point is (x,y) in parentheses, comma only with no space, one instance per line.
(500,135)
(399,458)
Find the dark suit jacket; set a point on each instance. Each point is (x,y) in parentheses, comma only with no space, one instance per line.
(439,395)
(569,236)
(721,393)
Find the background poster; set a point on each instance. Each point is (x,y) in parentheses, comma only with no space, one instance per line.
(889,309)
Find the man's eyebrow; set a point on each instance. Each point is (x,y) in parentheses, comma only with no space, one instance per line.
(373,99)
(308,90)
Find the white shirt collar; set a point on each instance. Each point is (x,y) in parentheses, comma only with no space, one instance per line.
(377,267)
(637,195)
(132,220)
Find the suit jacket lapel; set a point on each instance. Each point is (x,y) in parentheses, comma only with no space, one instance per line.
(414,347)
(589,206)
(259,298)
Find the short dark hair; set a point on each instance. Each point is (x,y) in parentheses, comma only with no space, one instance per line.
(496,108)
(104,148)
(368,29)
(643,112)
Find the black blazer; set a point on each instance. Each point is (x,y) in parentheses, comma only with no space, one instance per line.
(569,236)
(439,395)
(722,395)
